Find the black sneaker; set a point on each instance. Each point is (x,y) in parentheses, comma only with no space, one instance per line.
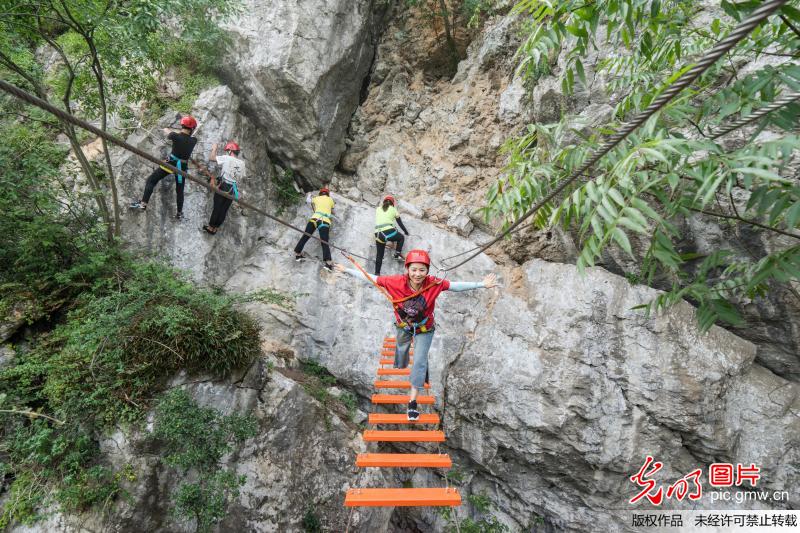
(328,266)
(398,255)
(179,215)
(412,412)
(138,205)
(298,258)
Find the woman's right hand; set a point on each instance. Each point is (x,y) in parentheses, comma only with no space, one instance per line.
(339,267)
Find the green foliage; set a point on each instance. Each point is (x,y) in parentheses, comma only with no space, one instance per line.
(271,296)
(194,436)
(206,501)
(145,320)
(114,350)
(49,461)
(46,238)
(287,194)
(484,523)
(673,166)
(320,372)
(475,11)
(351,403)
(124,328)
(194,440)
(311,523)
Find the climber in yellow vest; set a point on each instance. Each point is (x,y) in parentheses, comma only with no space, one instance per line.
(386,221)
(320,221)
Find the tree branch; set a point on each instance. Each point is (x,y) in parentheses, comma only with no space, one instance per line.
(33,414)
(791,26)
(743,220)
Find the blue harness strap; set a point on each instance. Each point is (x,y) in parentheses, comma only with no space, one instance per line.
(386,236)
(318,223)
(180,164)
(233,188)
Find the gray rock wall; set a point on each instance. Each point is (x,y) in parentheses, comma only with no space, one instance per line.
(298,68)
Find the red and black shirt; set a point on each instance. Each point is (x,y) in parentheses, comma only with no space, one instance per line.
(417,310)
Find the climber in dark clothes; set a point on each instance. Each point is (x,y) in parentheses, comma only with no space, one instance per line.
(182,145)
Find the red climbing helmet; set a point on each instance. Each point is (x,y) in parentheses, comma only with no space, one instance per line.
(389,197)
(231,147)
(418,256)
(189,122)
(324,190)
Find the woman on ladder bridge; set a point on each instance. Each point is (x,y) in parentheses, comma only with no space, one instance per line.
(413,296)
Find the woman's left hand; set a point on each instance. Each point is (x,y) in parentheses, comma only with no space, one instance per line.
(490,281)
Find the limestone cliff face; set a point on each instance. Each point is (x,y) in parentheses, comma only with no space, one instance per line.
(552,389)
(298,68)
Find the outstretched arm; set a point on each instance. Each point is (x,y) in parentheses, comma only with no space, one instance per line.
(487,283)
(354,273)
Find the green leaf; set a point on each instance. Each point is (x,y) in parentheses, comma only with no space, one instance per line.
(579,70)
(622,239)
(793,215)
(633,225)
(616,196)
(759,172)
(642,206)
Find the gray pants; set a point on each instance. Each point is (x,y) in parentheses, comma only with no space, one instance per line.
(422,344)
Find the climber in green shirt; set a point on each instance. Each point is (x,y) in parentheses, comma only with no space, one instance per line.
(385,231)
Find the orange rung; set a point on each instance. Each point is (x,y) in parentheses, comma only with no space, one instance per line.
(394,371)
(396,385)
(412,497)
(391,361)
(390,353)
(391,418)
(401,460)
(378,435)
(400,398)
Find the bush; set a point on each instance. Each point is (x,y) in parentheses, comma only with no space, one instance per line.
(286,192)
(195,439)
(121,341)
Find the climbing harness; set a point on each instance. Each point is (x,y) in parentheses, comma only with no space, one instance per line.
(180,164)
(232,188)
(382,237)
(316,219)
(410,326)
